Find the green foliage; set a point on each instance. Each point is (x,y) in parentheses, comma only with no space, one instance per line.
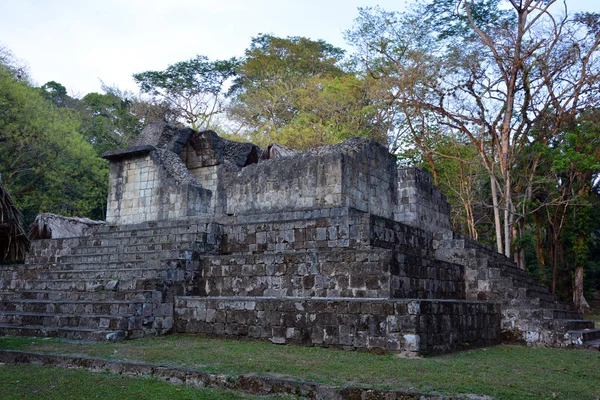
(271,58)
(565,195)
(42,382)
(452,21)
(45,163)
(294,91)
(57,94)
(531,372)
(192,88)
(107,121)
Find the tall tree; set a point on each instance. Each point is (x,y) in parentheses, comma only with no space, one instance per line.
(44,161)
(295,91)
(572,170)
(107,121)
(488,73)
(193,88)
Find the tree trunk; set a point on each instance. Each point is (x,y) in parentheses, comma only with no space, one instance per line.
(581,305)
(497,222)
(471,220)
(507,230)
(554,262)
(539,240)
(519,253)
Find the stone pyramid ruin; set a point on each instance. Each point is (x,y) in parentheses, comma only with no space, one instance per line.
(334,246)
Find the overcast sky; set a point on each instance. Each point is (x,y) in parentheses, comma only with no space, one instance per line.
(80,42)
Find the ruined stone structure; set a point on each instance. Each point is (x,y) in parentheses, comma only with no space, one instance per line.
(334,246)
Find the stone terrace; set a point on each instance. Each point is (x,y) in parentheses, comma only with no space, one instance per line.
(330,247)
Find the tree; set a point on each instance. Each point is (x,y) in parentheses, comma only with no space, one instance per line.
(44,161)
(107,121)
(573,165)
(490,77)
(294,91)
(17,68)
(193,88)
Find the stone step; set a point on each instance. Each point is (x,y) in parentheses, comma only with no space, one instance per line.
(126,248)
(513,272)
(528,284)
(207,236)
(112,307)
(188,225)
(58,332)
(584,336)
(76,307)
(593,344)
(135,231)
(88,321)
(112,257)
(108,295)
(509,290)
(562,314)
(116,247)
(541,294)
(114,274)
(20,272)
(81,285)
(32,271)
(556,304)
(564,325)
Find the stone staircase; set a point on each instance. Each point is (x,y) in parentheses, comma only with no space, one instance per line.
(530,312)
(118,282)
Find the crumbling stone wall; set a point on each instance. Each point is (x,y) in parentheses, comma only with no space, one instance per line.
(348,254)
(356,173)
(145,185)
(209,158)
(318,273)
(411,327)
(297,182)
(420,203)
(334,246)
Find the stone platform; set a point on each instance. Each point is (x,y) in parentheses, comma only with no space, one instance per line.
(409,327)
(331,247)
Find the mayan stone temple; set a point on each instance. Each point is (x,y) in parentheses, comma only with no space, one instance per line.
(334,246)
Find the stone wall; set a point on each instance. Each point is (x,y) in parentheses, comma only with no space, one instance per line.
(407,326)
(145,187)
(420,203)
(341,273)
(288,232)
(203,166)
(200,173)
(297,182)
(369,177)
(356,173)
(349,253)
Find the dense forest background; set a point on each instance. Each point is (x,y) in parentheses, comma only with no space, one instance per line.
(498,99)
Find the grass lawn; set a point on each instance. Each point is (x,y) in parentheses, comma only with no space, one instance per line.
(37,382)
(504,372)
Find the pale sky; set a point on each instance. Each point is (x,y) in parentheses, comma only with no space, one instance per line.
(80,42)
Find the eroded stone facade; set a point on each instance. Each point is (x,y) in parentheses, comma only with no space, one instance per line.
(334,246)
(344,222)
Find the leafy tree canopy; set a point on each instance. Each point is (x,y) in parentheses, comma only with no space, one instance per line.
(270,58)
(193,88)
(45,163)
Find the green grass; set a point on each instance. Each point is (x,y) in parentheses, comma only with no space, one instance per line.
(504,372)
(38,382)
